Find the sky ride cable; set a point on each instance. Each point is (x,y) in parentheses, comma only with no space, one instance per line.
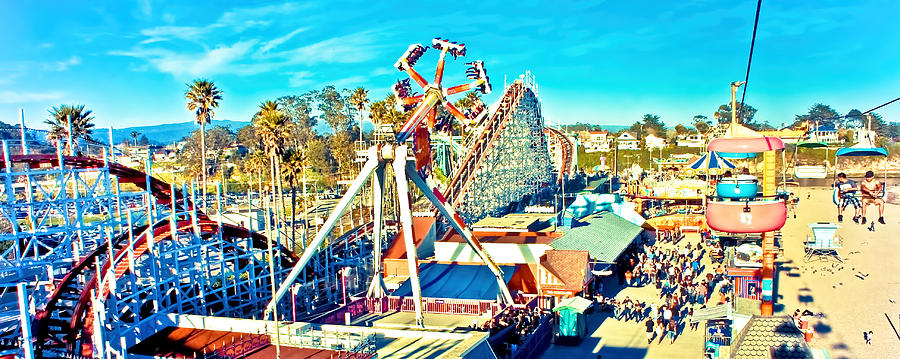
(750,58)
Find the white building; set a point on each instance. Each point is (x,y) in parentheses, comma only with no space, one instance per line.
(693,140)
(597,141)
(652,142)
(626,141)
(826,133)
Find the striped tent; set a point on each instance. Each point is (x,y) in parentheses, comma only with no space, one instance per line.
(710,160)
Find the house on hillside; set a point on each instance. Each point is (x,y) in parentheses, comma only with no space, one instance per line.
(826,133)
(694,140)
(626,141)
(652,142)
(596,141)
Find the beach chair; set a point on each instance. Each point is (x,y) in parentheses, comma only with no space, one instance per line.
(823,241)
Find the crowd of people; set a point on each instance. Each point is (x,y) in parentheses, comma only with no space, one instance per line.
(524,321)
(683,284)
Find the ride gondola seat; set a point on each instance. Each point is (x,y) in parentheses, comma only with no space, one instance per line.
(740,187)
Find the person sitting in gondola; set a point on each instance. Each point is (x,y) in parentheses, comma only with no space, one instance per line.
(847,189)
(872,191)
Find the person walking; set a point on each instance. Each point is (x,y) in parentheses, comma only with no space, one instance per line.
(694,324)
(671,330)
(650,330)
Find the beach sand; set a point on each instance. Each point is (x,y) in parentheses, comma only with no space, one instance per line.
(845,304)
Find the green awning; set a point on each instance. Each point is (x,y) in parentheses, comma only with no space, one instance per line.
(577,304)
(604,235)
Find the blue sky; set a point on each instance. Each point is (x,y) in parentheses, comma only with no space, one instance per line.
(604,62)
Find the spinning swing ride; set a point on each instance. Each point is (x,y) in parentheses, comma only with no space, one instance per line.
(418,128)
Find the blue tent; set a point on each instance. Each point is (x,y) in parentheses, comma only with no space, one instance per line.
(710,160)
(456,281)
(861,151)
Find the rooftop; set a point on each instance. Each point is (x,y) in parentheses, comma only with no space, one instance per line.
(569,266)
(506,237)
(604,235)
(770,338)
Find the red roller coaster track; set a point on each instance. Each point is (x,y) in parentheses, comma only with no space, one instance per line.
(566,147)
(73,300)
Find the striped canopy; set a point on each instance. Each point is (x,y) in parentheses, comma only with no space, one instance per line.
(710,160)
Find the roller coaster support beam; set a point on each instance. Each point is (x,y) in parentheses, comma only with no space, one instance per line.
(407,227)
(437,199)
(376,288)
(25,320)
(371,164)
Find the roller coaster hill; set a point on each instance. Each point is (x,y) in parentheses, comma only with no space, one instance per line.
(102,260)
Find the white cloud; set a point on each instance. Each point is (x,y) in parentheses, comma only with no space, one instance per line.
(352,48)
(21,97)
(280,40)
(218,60)
(237,20)
(381,71)
(146,7)
(64,65)
(300,78)
(206,50)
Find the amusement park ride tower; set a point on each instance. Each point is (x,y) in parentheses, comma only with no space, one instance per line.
(737,210)
(418,128)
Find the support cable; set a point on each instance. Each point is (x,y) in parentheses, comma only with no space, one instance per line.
(750,58)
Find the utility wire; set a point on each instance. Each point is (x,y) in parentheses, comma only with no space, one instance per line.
(882,105)
(750,58)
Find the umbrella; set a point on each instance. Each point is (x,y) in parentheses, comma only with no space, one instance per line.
(710,160)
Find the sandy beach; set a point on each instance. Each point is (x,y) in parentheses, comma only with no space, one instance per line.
(845,305)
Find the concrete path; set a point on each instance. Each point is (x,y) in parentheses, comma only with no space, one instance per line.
(614,338)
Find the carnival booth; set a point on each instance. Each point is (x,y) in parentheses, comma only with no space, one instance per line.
(572,322)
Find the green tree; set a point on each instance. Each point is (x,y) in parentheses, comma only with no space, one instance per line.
(332,105)
(819,113)
(81,122)
(359,98)
(135,135)
(293,168)
(246,136)
(468,100)
(854,119)
(702,123)
(203,98)
(649,123)
(681,129)
(199,146)
(273,128)
(391,114)
(143,141)
(745,114)
(341,145)
(299,110)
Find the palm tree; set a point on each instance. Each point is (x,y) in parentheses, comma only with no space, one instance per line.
(273,127)
(294,169)
(203,97)
(64,116)
(359,98)
(134,135)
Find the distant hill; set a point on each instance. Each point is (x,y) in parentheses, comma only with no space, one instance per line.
(166,133)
